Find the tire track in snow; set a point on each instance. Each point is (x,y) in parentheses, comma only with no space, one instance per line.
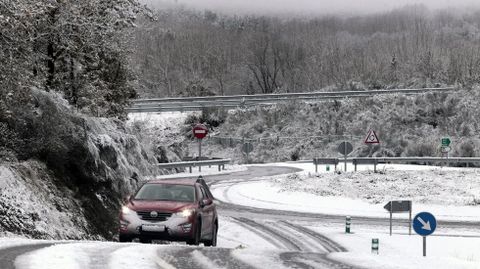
(198,257)
(99,256)
(327,243)
(300,255)
(260,233)
(275,236)
(222,258)
(178,257)
(309,260)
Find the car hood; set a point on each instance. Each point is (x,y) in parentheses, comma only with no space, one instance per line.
(164,206)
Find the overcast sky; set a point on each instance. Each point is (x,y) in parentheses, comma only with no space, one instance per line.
(311,6)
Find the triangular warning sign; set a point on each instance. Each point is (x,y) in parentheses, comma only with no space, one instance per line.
(372,138)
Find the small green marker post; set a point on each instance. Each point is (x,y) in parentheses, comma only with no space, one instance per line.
(375,244)
(328,168)
(348,222)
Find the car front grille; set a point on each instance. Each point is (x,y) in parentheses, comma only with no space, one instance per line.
(146,215)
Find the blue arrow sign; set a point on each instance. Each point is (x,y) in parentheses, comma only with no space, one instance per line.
(424,223)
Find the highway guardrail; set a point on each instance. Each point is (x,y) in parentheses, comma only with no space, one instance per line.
(376,160)
(235,101)
(190,164)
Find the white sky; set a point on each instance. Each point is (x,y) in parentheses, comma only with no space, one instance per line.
(311,6)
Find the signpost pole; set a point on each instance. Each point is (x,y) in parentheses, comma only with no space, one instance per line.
(391,216)
(200,131)
(345,155)
(424,224)
(199,154)
(424,246)
(410,221)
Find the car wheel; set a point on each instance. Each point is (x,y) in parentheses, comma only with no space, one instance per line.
(213,242)
(124,238)
(145,240)
(196,238)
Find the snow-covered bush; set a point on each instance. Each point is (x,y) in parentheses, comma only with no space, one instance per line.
(406,126)
(96,160)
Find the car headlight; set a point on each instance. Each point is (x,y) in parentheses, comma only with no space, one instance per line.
(185,213)
(126,210)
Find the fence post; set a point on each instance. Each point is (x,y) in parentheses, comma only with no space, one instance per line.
(315,161)
(348,222)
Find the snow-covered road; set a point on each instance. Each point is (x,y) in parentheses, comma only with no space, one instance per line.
(244,242)
(251,237)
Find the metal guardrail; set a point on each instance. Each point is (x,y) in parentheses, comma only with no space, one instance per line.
(235,101)
(317,161)
(377,160)
(220,162)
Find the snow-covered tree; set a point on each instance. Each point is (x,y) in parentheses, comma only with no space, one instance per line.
(79,48)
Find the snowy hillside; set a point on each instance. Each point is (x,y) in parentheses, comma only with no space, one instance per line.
(406,126)
(87,166)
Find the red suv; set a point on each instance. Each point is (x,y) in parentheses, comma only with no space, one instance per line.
(173,210)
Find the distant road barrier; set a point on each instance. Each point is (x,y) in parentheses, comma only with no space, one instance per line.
(318,161)
(371,160)
(220,162)
(236,101)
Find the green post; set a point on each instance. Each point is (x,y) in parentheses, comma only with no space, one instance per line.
(328,167)
(348,222)
(375,244)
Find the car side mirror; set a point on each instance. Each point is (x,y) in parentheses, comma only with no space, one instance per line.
(128,199)
(206,202)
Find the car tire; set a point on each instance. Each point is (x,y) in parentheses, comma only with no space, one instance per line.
(213,241)
(196,237)
(144,240)
(124,239)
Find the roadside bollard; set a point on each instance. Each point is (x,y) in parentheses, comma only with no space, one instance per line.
(375,243)
(348,221)
(328,168)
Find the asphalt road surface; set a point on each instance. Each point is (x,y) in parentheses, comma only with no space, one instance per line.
(299,247)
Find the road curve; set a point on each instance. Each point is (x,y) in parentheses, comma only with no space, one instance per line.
(254,172)
(9,255)
(298,246)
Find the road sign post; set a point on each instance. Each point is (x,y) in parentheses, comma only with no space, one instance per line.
(424,224)
(345,148)
(446,142)
(247,148)
(445,150)
(200,131)
(199,153)
(424,246)
(399,207)
(372,138)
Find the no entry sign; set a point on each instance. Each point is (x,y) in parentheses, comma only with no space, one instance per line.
(200,131)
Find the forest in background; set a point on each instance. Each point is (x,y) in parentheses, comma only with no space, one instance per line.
(192,53)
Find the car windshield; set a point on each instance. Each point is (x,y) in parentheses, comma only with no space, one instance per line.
(166,192)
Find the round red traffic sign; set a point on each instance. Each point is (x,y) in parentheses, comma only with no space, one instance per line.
(200,131)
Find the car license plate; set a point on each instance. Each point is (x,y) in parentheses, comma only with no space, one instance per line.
(153,228)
